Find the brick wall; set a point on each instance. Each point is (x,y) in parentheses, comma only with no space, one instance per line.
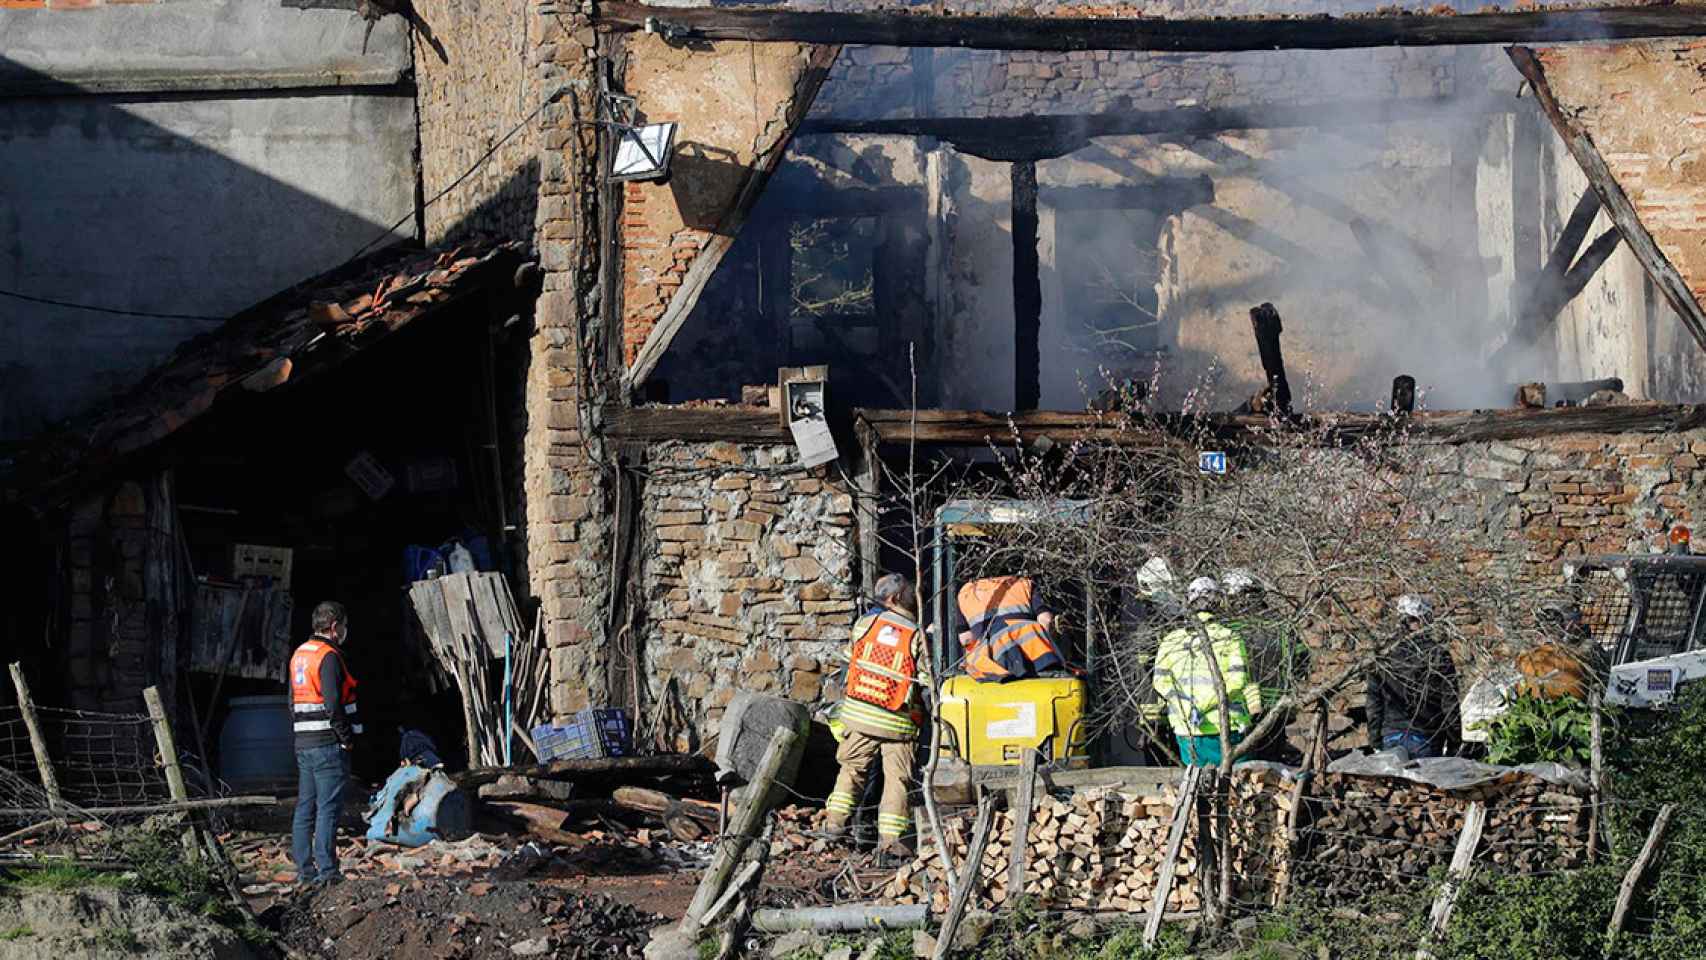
(728,131)
(749,576)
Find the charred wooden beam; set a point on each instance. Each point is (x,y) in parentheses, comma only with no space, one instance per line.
(741,424)
(1027,290)
(1178,34)
(1594,257)
(1617,204)
(979,428)
(1403,394)
(1164,195)
(1265,323)
(1043,136)
(1545,297)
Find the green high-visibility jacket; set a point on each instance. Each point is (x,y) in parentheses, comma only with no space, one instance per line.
(1185,682)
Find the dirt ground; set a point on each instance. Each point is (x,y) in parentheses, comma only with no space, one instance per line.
(444,919)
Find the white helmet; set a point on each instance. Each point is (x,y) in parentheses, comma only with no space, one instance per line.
(1235,582)
(1202,588)
(1411,605)
(1154,576)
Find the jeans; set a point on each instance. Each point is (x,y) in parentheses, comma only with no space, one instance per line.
(321,774)
(1414,745)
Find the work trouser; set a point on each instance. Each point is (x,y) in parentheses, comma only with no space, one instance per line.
(856,755)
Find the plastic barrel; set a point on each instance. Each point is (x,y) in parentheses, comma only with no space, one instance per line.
(256,747)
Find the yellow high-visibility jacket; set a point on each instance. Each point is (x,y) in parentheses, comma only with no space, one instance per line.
(1185,683)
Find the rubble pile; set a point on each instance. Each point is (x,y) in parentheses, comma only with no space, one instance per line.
(1099,849)
(438,919)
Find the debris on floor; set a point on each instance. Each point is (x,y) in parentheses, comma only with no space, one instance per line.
(439,918)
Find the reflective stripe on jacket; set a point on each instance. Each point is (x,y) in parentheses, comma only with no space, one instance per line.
(1184,680)
(1015,651)
(873,719)
(308,706)
(882,668)
(984,601)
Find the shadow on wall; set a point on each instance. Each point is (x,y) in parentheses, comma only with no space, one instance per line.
(187,205)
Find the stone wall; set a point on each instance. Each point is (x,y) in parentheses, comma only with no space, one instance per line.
(477,78)
(749,577)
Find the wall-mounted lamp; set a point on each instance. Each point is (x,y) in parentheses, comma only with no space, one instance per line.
(642,150)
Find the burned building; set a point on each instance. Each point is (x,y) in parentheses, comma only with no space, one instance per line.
(988,216)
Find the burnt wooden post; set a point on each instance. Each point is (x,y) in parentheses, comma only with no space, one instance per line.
(38,743)
(1403,393)
(1265,322)
(1027,290)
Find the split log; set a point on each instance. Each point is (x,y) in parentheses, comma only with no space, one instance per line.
(850,917)
(686,820)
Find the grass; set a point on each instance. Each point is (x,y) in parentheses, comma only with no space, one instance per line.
(20,932)
(60,877)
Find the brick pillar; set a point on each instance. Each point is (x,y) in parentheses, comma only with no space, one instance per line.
(564,485)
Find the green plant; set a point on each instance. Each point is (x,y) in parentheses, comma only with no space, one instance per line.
(20,932)
(1535,729)
(1560,916)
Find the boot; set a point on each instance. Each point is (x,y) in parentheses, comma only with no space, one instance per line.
(834,829)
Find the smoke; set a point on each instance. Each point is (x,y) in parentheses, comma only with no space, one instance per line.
(1387,243)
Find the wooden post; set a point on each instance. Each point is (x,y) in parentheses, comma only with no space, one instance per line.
(1027,289)
(167,745)
(1632,879)
(1596,760)
(1474,819)
(44,765)
(1170,860)
(1299,796)
(746,824)
(968,876)
(1022,812)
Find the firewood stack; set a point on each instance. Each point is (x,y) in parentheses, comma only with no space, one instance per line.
(1361,835)
(1099,849)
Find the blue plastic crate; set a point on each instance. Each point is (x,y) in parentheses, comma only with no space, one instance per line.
(588,735)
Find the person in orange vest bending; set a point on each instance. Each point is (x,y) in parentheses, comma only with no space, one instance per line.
(326,721)
(880,713)
(1010,636)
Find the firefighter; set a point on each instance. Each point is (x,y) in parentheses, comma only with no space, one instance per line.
(1010,636)
(1184,680)
(880,714)
(326,722)
(1412,691)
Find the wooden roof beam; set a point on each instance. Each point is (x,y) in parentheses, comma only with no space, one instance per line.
(1174,34)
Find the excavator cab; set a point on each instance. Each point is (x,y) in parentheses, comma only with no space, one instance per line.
(996,724)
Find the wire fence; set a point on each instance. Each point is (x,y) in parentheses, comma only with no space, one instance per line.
(98,760)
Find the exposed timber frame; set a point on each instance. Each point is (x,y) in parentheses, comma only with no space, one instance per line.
(1177,34)
(1046,136)
(983,428)
(705,263)
(1617,204)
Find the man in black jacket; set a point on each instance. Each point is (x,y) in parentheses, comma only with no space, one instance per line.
(326,720)
(1412,690)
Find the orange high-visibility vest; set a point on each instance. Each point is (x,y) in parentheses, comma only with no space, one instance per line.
(883,670)
(307,700)
(984,601)
(994,658)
